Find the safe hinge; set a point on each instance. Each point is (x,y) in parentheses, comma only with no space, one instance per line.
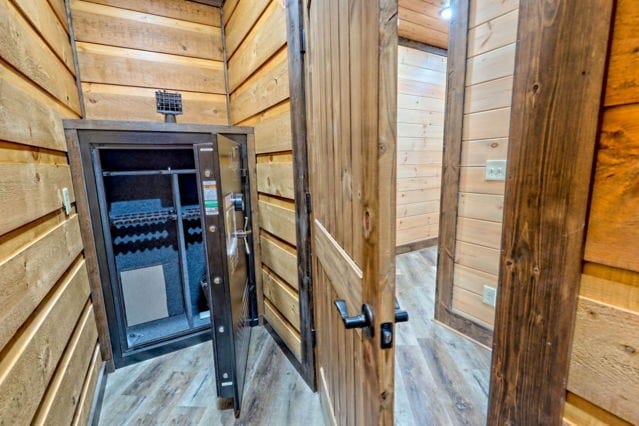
(244,172)
(309,203)
(302,41)
(313,337)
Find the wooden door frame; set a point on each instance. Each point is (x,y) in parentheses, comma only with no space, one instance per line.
(297,88)
(451,166)
(530,364)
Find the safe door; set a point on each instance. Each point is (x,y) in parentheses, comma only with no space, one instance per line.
(226,222)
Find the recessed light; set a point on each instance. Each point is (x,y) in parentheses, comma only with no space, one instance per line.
(446,13)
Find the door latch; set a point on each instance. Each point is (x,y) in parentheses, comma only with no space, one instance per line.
(386,328)
(363,320)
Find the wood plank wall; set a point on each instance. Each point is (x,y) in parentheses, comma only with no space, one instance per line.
(49,351)
(259,97)
(127,49)
(489,82)
(603,383)
(421,91)
(419,20)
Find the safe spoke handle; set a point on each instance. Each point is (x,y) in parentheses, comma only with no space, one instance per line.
(363,320)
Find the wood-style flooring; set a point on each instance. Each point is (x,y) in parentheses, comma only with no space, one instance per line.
(441,377)
(179,389)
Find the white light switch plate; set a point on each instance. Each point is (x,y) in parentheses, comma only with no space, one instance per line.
(490,296)
(66,200)
(496,170)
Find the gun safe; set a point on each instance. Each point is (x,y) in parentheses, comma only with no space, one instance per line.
(171,215)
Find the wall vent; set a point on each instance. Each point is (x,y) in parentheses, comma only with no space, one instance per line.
(169,104)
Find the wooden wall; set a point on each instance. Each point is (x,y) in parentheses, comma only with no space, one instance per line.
(49,352)
(259,97)
(419,20)
(129,48)
(421,90)
(604,373)
(489,81)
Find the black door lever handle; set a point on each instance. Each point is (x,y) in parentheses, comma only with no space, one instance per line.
(400,314)
(363,320)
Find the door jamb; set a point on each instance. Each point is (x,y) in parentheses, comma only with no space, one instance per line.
(296,50)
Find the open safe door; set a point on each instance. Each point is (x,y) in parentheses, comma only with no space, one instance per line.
(225,202)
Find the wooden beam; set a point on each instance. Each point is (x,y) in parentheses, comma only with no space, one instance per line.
(453,131)
(412,44)
(561,53)
(297,89)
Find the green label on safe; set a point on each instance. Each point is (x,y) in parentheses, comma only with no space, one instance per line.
(209,191)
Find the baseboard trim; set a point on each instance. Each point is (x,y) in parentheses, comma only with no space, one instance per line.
(418,245)
(98,398)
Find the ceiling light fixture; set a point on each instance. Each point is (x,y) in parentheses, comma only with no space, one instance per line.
(446,13)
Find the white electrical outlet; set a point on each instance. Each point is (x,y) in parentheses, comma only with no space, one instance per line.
(496,170)
(490,296)
(66,200)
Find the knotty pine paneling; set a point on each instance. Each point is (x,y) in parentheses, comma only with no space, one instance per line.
(608,310)
(259,97)
(489,82)
(419,20)
(421,89)
(128,49)
(45,305)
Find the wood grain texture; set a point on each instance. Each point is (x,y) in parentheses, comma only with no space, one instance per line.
(272,129)
(267,87)
(29,116)
(30,362)
(107,102)
(240,22)
(283,296)
(129,67)
(63,395)
(283,328)
(27,52)
(280,259)
(622,84)
(278,220)
(420,139)
(30,274)
(579,411)
(554,117)
(183,10)
(612,238)
(276,179)
(419,20)
(603,332)
(191,401)
(135,30)
(85,403)
(267,36)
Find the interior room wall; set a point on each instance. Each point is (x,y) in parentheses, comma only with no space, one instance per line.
(604,373)
(421,94)
(50,358)
(489,81)
(127,49)
(257,55)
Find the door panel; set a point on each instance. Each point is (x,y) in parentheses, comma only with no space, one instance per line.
(351,99)
(226,223)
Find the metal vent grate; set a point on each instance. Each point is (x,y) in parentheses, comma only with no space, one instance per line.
(169,104)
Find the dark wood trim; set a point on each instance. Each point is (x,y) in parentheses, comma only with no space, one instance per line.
(406,42)
(98,397)
(88,241)
(297,88)
(558,82)
(451,160)
(299,367)
(407,248)
(226,69)
(76,64)
(149,126)
(215,3)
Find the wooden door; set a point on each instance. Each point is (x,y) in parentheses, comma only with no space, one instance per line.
(351,56)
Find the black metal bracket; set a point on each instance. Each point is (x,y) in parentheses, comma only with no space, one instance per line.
(363,320)
(387,328)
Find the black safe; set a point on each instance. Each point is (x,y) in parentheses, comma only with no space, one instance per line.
(170,209)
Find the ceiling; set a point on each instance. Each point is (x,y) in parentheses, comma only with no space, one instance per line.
(419,20)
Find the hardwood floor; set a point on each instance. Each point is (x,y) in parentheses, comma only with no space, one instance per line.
(179,389)
(441,377)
